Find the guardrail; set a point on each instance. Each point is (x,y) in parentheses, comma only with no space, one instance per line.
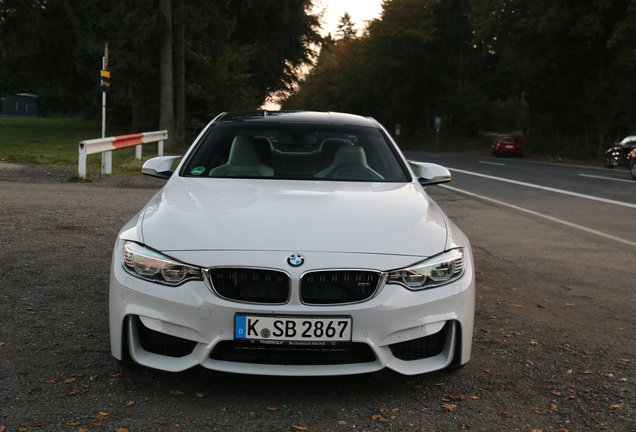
(107,145)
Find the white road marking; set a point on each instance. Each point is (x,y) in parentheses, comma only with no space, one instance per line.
(492,163)
(549,189)
(550,218)
(608,178)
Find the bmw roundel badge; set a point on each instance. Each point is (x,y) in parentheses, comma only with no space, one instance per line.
(295,260)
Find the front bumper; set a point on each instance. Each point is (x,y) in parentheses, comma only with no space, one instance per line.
(176,328)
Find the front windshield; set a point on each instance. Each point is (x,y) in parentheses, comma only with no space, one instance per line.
(295,151)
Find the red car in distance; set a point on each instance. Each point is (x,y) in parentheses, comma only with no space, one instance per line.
(506,145)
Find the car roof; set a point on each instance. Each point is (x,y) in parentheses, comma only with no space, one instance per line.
(313,117)
(628,139)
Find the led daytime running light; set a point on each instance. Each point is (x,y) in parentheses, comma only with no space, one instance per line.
(434,272)
(153,266)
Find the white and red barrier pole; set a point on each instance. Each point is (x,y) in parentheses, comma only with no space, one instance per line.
(101,145)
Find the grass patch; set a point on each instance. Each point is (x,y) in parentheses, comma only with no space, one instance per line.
(75,178)
(54,141)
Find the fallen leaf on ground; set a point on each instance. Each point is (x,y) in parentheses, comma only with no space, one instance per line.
(303,428)
(449,407)
(378,417)
(505,414)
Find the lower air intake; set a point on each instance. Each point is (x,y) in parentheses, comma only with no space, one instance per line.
(247,352)
(163,344)
(425,347)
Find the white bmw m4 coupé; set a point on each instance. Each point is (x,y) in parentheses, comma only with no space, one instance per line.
(292,243)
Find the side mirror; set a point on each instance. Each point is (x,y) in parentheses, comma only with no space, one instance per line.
(161,167)
(430,174)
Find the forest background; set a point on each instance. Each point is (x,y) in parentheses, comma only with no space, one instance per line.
(562,73)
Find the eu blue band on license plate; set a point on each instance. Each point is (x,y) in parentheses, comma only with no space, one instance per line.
(292,329)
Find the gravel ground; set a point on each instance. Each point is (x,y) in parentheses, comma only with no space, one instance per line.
(550,358)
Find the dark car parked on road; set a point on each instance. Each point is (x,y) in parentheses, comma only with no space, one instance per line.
(620,154)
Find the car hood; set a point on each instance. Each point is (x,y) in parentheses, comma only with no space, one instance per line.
(297,216)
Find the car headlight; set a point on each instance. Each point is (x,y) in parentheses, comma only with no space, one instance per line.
(153,266)
(436,271)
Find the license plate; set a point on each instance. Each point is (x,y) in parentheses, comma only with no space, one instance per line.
(292,329)
(510,146)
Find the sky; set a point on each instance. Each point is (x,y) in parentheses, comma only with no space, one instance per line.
(360,11)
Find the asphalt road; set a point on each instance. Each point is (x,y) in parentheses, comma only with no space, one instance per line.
(591,199)
(554,344)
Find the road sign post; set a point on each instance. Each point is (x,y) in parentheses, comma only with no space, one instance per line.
(107,157)
(438,126)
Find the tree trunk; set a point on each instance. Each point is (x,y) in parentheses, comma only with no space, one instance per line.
(180,73)
(166,93)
